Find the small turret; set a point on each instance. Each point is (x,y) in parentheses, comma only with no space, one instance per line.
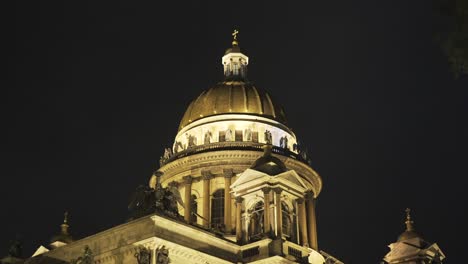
(64,237)
(412,248)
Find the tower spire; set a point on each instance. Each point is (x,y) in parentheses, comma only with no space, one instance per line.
(409,223)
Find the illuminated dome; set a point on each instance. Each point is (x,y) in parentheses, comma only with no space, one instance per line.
(233,114)
(233,97)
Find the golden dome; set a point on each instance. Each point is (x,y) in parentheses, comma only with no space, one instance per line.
(233,97)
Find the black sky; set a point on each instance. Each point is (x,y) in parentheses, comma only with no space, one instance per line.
(95,90)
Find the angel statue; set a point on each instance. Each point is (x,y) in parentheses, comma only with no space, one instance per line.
(143,255)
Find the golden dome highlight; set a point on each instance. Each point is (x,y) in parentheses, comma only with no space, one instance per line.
(233,97)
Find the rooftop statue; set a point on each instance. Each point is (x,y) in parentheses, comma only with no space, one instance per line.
(16,249)
(147,200)
(143,256)
(86,258)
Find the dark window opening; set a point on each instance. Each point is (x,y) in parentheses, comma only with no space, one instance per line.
(239,136)
(255,136)
(256,221)
(222,136)
(194,206)
(217,209)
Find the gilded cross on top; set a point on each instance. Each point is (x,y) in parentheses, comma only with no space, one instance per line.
(234,34)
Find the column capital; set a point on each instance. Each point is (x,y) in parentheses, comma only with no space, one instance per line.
(266,190)
(239,199)
(277,190)
(206,175)
(300,200)
(187,179)
(309,196)
(173,184)
(228,173)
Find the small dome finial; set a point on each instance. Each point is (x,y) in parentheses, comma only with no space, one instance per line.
(267,149)
(409,223)
(234,36)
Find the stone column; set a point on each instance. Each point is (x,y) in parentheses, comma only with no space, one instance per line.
(279,212)
(266,212)
(188,198)
(239,219)
(206,175)
(311,221)
(303,222)
(227,199)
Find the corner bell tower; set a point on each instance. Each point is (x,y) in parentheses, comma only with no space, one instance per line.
(412,248)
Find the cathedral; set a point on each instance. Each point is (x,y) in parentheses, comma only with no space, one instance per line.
(236,187)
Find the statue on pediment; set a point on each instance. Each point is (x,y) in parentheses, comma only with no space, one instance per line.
(143,255)
(162,255)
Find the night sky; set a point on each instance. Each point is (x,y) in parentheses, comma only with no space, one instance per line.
(95,90)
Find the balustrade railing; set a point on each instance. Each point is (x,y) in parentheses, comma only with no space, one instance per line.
(233,145)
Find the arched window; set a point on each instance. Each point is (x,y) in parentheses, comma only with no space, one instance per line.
(194,206)
(217,209)
(256,221)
